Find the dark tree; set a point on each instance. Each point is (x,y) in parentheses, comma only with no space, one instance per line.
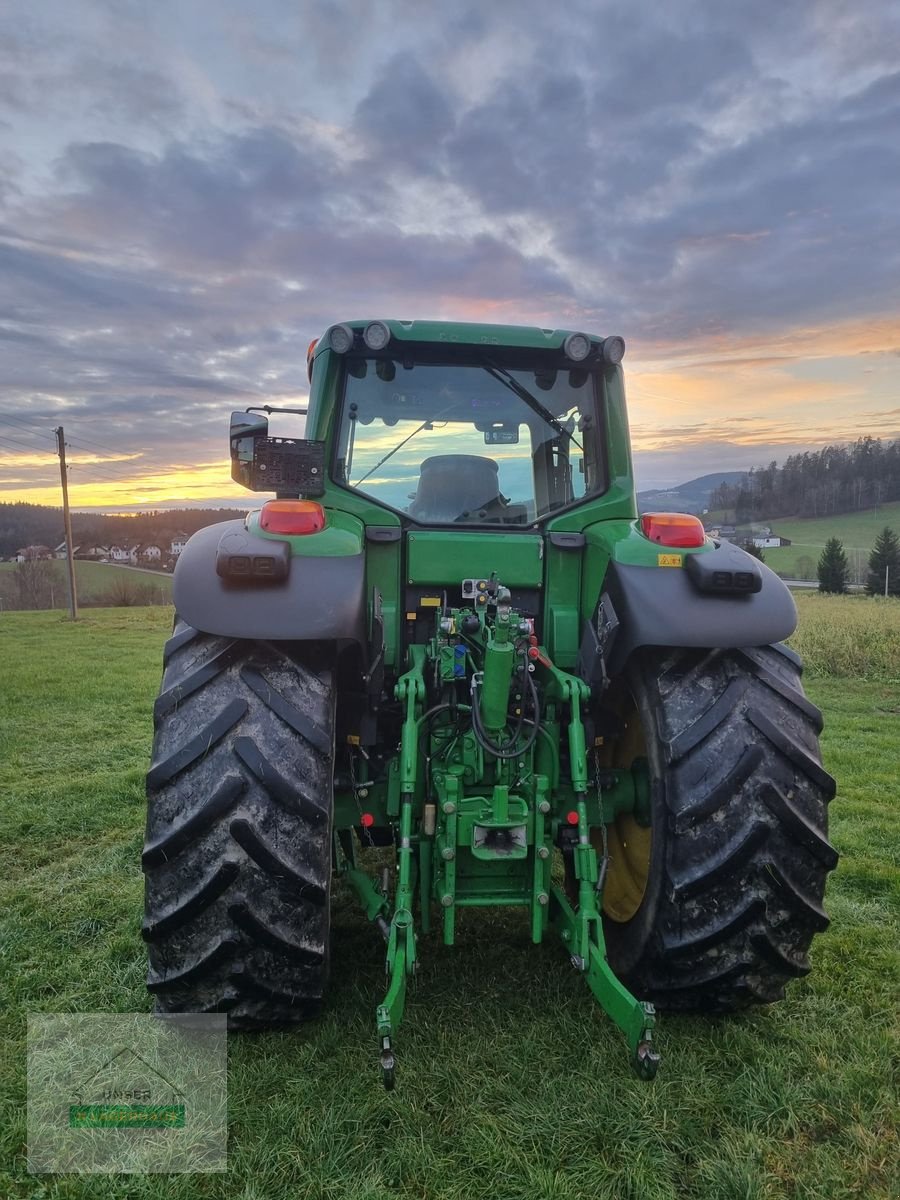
(833,569)
(884,560)
(754,551)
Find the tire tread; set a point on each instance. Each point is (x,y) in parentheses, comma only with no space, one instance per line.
(237,857)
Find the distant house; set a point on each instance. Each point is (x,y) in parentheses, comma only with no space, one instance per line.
(771,542)
(92,550)
(179,541)
(33,553)
(722,533)
(120,553)
(150,552)
(60,551)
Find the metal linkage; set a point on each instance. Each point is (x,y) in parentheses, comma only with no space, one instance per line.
(478,800)
(401,947)
(582,930)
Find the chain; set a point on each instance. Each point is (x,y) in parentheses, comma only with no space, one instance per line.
(604,835)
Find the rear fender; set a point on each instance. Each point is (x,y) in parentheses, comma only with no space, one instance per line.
(322,597)
(645,603)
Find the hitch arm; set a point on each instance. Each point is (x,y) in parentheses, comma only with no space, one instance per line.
(400,960)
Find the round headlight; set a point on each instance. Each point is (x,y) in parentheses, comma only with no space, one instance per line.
(341,338)
(577,347)
(613,350)
(376,335)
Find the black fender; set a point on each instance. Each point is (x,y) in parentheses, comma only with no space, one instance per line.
(665,606)
(320,599)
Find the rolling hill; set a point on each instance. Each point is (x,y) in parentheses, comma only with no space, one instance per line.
(692,497)
(857,532)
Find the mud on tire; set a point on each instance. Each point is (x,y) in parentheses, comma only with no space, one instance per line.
(237,858)
(739,854)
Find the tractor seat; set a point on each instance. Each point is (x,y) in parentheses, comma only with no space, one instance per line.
(451,485)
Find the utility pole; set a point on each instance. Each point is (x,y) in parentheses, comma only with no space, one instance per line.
(67,518)
(887,572)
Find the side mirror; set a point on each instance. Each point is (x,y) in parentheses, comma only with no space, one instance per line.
(243,431)
(248,425)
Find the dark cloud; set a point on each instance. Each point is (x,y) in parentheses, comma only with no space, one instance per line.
(405,116)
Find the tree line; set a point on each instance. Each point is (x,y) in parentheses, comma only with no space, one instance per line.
(817,483)
(23,524)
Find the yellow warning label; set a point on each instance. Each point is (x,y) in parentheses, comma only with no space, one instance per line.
(353,739)
(669,560)
(430,602)
(410,616)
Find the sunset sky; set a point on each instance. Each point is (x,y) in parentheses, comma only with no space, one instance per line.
(191,191)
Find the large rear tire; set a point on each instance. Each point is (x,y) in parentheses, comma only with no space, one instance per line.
(237,858)
(737,854)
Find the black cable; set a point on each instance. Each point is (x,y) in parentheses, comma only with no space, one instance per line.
(7,438)
(508,751)
(5,417)
(94,445)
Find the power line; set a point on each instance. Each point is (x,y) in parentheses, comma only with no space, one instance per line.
(15,421)
(71,441)
(95,445)
(88,467)
(34,449)
(144,468)
(30,432)
(101,464)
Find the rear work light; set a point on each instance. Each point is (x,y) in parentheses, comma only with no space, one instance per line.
(673,529)
(292,517)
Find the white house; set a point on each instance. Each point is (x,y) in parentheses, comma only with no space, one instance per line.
(770,543)
(120,553)
(150,552)
(179,541)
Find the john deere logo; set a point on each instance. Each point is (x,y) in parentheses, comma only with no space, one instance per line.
(126,1092)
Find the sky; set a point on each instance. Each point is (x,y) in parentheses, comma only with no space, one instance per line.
(191,191)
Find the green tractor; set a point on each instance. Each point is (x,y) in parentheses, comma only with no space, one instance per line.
(451,634)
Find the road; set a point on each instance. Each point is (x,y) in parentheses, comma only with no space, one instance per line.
(811,583)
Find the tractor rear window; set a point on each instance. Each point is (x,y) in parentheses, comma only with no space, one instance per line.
(456,443)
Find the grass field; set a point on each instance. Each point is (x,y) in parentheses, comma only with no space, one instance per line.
(857,532)
(512,1084)
(91,579)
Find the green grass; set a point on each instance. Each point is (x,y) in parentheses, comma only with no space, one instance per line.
(853,529)
(849,636)
(91,579)
(857,532)
(512,1083)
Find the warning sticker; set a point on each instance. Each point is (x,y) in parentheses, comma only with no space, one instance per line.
(669,560)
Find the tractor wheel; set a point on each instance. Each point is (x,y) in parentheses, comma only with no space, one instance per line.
(238,852)
(715,905)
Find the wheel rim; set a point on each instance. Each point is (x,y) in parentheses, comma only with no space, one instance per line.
(629,844)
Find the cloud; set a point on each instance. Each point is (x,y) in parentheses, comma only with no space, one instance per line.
(185,204)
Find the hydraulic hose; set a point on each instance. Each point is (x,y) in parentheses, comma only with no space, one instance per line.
(509,750)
